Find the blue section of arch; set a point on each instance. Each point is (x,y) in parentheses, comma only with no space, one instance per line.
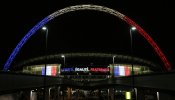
(23,41)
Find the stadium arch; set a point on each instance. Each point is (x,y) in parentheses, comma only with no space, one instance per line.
(86,7)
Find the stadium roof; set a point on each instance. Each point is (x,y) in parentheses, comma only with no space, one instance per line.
(87,58)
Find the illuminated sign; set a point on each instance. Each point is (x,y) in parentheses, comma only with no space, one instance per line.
(128,95)
(67,69)
(82,69)
(75,70)
(99,70)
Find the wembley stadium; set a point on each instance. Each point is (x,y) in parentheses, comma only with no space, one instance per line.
(88,64)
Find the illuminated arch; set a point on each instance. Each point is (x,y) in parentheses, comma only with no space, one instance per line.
(86,7)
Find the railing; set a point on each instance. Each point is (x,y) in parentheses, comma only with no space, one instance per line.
(10,82)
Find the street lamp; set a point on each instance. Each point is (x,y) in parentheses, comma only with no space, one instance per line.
(63,56)
(130,31)
(45,29)
(45,67)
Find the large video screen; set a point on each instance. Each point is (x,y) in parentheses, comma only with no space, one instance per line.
(122,71)
(51,70)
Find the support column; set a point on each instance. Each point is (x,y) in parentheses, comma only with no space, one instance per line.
(69,93)
(111,92)
(33,95)
(47,93)
(108,95)
(58,93)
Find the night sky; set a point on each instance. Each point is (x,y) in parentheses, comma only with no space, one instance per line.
(87,31)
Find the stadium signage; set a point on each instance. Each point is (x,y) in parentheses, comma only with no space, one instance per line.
(86,69)
(82,69)
(99,69)
(67,69)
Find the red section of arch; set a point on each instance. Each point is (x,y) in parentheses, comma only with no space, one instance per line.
(151,42)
